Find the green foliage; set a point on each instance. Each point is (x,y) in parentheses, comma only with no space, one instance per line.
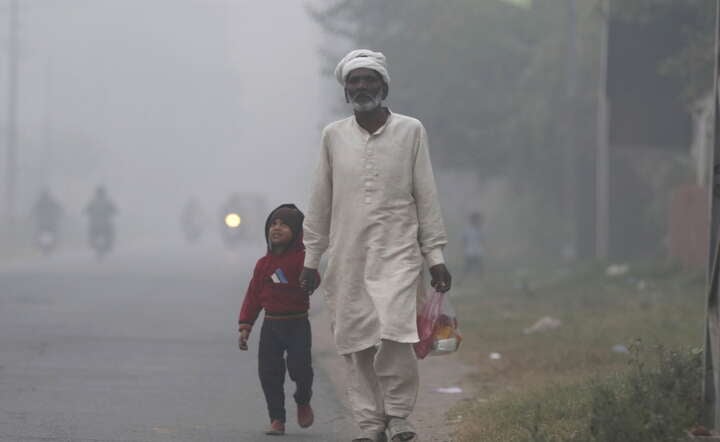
(649,403)
(692,65)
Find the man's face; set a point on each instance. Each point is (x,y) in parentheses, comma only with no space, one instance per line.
(365,89)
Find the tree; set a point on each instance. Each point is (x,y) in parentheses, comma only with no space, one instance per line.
(692,63)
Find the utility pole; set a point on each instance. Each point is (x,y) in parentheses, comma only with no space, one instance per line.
(602,149)
(570,158)
(48,132)
(11,131)
(711,379)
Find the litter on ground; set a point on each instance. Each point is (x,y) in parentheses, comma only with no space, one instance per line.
(617,269)
(543,324)
(449,390)
(619,348)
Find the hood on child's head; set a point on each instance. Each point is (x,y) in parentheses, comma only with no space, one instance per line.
(293,217)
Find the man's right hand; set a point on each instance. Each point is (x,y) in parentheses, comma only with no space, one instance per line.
(308,280)
(242,340)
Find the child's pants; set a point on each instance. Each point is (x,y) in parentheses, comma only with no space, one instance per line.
(382,381)
(278,336)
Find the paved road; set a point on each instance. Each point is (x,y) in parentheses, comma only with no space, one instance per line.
(140,347)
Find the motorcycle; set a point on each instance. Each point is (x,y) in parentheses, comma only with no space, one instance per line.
(192,232)
(191,221)
(101,231)
(45,216)
(46,240)
(102,239)
(242,218)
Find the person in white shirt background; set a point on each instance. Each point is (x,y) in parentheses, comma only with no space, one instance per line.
(472,238)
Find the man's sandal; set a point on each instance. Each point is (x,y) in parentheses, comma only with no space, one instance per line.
(400,430)
(379,438)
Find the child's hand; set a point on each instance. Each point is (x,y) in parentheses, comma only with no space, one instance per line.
(242,340)
(308,280)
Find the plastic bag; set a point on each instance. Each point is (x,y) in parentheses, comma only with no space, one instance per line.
(437,327)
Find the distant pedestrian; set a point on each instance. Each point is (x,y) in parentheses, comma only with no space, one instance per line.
(473,247)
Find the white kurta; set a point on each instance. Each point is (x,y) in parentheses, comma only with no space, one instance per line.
(374,209)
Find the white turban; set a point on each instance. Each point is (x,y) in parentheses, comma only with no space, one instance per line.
(362,58)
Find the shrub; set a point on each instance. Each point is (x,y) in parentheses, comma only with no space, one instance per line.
(649,403)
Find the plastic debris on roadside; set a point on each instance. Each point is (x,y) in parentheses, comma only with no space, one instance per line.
(495,356)
(617,269)
(543,324)
(456,419)
(620,348)
(449,390)
(437,327)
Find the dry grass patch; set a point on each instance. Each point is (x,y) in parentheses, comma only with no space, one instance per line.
(543,380)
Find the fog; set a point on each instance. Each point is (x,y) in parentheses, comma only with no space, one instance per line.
(162,100)
(573,144)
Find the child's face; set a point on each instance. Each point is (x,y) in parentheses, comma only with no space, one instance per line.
(280,233)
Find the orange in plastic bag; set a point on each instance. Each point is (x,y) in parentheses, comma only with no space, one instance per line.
(437,327)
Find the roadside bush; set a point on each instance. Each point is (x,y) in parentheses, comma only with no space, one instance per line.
(653,401)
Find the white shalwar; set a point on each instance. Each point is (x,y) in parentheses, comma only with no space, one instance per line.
(374,209)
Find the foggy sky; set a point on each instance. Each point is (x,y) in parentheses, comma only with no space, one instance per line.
(160,100)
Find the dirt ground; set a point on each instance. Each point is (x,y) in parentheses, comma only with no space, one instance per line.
(430,415)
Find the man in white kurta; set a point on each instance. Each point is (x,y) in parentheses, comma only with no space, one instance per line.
(374,210)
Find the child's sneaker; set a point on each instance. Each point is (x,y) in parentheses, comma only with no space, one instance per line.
(276,428)
(305,415)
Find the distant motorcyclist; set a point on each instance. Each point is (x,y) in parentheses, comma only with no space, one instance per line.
(240,215)
(100,212)
(191,220)
(46,215)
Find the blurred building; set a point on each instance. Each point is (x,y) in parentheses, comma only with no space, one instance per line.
(657,200)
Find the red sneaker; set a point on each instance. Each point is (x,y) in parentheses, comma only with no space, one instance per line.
(276,428)
(305,415)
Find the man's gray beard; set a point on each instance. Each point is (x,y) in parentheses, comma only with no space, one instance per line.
(373,104)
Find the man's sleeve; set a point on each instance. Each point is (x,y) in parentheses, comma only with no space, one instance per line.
(316,227)
(431,235)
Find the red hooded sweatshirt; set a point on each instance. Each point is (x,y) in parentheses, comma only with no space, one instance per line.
(275,284)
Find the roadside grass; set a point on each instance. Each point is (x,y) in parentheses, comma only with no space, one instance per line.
(543,386)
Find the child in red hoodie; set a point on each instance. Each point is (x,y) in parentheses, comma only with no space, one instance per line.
(275,287)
